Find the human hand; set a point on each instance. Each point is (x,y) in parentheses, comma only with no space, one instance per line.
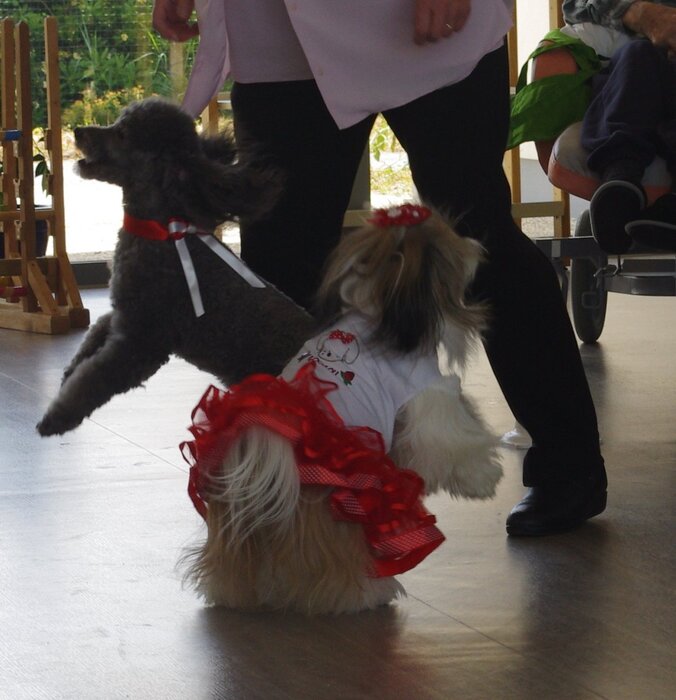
(439,19)
(656,22)
(170,19)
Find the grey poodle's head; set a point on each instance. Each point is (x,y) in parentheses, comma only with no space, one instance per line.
(167,169)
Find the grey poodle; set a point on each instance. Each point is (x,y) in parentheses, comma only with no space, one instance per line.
(230,323)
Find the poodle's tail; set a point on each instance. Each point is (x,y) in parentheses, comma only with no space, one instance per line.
(224,183)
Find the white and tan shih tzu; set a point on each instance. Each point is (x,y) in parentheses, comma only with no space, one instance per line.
(311,483)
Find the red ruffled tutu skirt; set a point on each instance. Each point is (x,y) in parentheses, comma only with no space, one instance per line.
(367,487)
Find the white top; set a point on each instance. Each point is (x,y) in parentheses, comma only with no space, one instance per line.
(262,44)
(372,384)
(360,52)
(604,40)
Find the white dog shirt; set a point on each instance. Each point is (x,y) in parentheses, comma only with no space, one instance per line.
(372,383)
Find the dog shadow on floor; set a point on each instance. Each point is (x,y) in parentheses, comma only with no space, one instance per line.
(290,655)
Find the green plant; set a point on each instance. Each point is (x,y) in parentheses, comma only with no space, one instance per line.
(104,46)
(42,169)
(101,68)
(382,139)
(99,109)
(389,176)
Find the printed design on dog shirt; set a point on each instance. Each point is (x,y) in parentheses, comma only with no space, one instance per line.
(339,346)
(372,383)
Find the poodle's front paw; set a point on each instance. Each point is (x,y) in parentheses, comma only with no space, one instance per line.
(57,422)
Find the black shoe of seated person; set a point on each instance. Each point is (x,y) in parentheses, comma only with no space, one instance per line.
(656,226)
(614,204)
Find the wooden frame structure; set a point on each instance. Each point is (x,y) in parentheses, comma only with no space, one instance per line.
(39,292)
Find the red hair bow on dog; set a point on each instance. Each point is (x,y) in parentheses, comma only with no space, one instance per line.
(405,215)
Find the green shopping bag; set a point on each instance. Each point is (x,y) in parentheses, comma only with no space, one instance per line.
(541,110)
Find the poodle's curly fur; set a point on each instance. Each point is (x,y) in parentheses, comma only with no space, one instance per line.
(166,169)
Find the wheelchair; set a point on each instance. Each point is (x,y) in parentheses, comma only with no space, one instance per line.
(586,272)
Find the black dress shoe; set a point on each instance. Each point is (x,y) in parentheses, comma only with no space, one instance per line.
(656,226)
(555,508)
(614,204)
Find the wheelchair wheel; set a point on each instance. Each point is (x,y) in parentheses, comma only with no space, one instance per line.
(588,300)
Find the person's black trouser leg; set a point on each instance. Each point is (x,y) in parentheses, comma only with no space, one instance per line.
(455,141)
(289,126)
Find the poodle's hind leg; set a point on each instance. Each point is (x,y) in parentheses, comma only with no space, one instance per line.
(440,435)
(93,342)
(120,364)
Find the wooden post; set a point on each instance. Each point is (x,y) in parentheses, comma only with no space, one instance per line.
(512,160)
(555,14)
(561,223)
(67,292)
(8,115)
(210,118)
(24,114)
(176,68)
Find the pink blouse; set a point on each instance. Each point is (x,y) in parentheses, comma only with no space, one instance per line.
(360,52)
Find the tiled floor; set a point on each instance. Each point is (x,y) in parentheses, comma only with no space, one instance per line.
(92,524)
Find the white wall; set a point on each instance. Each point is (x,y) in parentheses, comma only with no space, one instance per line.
(532,25)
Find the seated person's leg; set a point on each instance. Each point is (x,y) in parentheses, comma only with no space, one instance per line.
(620,130)
(656,225)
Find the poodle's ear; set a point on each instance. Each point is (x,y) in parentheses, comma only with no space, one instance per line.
(211,193)
(214,182)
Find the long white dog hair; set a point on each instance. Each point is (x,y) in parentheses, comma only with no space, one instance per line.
(273,543)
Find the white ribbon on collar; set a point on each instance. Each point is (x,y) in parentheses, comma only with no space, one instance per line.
(180,227)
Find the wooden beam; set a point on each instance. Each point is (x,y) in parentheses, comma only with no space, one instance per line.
(24,113)
(8,116)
